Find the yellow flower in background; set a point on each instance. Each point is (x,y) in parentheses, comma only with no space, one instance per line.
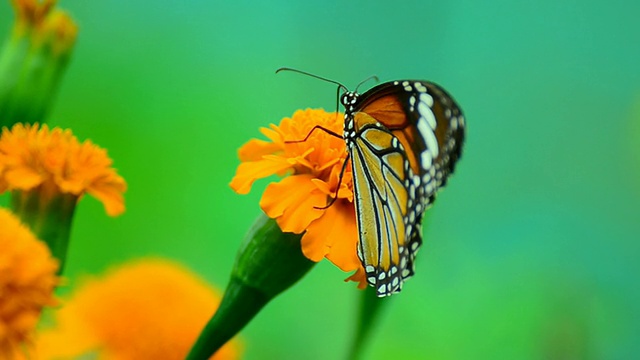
(297,201)
(148,309)
(27,280)
(52,162)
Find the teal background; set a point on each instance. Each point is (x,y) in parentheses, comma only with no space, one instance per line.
(530,253)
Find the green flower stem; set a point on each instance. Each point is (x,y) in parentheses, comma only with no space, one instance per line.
(49,217)
(239,305)
(370,308)
(268,262)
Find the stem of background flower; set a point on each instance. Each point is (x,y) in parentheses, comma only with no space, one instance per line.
(31,66)
(29,84)
(370,308)
(13,52)
(49,217)
(268,262)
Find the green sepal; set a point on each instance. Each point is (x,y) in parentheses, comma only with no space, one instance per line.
(268,262)
(48,216)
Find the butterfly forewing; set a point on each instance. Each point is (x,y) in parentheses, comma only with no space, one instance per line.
(404,138)
(379,176)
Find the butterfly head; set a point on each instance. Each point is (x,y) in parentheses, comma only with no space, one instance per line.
(349,100)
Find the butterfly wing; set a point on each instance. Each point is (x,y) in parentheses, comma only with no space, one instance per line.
(408,138)
(381,197)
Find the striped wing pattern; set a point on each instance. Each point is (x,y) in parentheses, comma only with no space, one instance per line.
(404,139)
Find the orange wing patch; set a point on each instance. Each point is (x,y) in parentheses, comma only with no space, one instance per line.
(389,111)
(388,108)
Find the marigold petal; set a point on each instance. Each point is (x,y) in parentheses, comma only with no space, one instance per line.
(254,149)
(23,178)
(344,249)
(72,184)
(273,134)
(110,194)
(292,202)
(333,236)
(249,172)
(360,277)
(323,187)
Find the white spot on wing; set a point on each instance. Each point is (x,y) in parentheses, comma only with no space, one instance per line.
(429,137)
(416,180)
(427,114)
(427,99)
(430,188)
(425,160)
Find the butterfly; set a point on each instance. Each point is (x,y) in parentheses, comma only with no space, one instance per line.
(403,140)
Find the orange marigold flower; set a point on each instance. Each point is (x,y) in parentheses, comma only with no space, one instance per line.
(32,157)
(148,309)
(27,281)
(296,202)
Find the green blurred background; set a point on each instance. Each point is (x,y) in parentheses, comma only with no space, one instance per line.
(530,253)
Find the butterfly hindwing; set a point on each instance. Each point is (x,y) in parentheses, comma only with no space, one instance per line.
(424,117)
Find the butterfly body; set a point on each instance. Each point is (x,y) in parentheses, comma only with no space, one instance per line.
(403,138)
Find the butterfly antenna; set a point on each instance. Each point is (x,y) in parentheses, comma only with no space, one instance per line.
(313,76)
(367,79)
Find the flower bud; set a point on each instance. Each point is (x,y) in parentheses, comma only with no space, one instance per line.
(33,61)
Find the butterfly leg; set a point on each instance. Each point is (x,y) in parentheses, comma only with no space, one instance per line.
(317,127)
(344,165)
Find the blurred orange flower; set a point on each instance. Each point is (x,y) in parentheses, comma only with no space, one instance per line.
(50,25)
(32,157)
(27,281)
(297,202)
(148,309)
